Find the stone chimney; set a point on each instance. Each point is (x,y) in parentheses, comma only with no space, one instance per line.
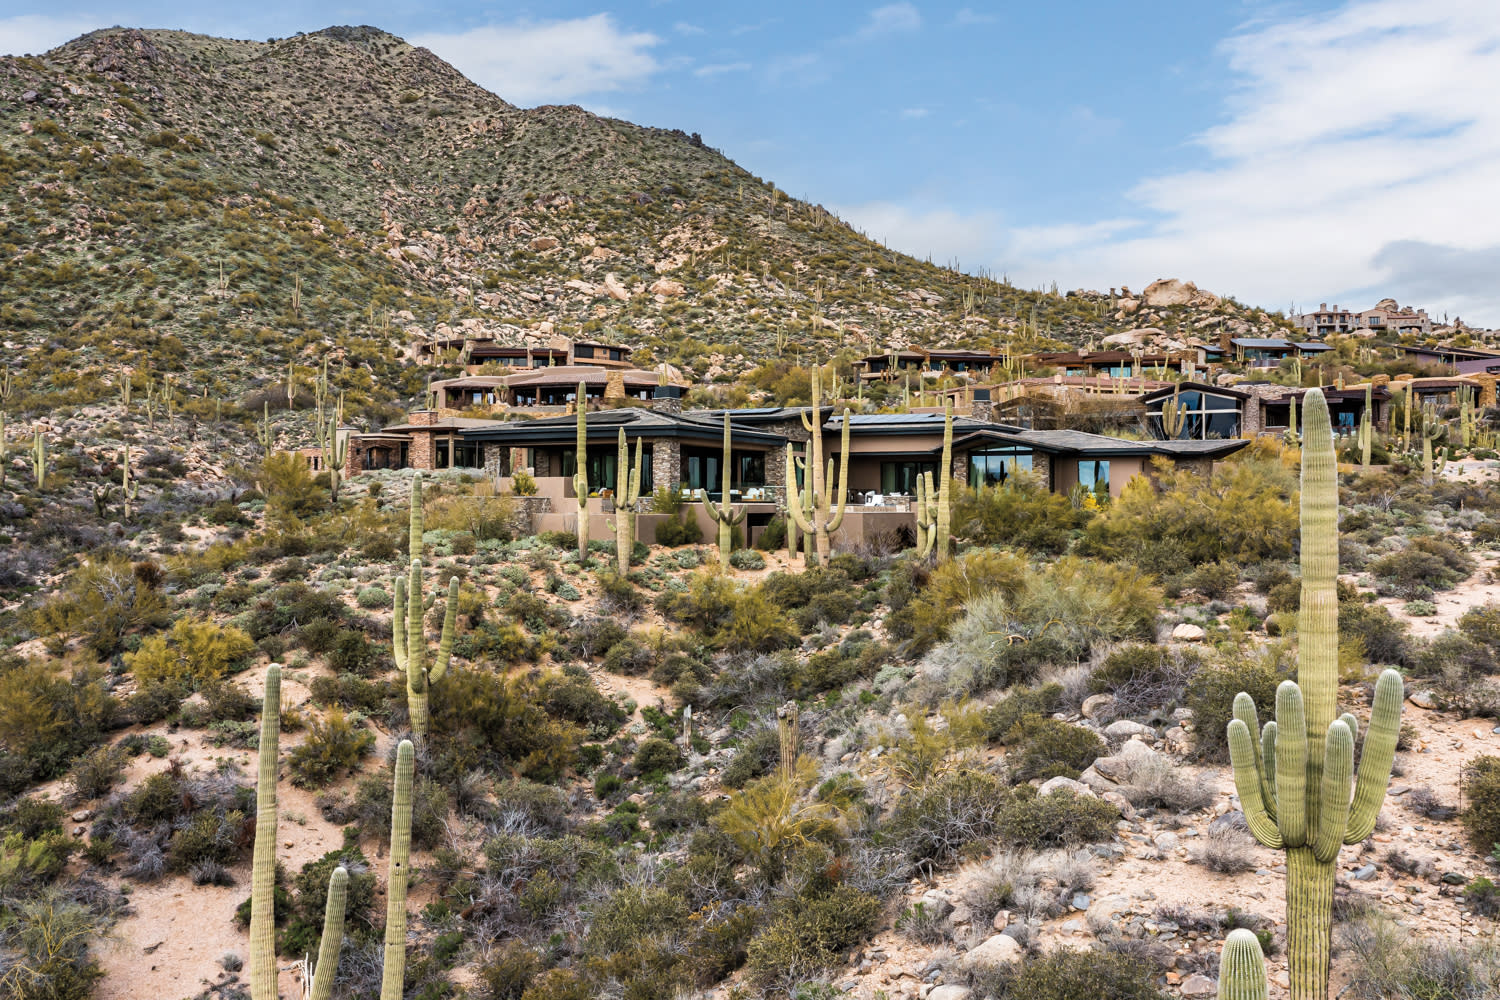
(667,399)
(982,407)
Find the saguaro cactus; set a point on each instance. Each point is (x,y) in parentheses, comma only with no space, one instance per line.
(943,527)
(408,631)
(263,869)
(333,936)
(393,976)
(39,459)
(1365,436)
(725,516)
(925,510)
(627,494)
(1432,429)
(1242,968)
(825,516)
(1294,783)
(581,474)
(1173,415)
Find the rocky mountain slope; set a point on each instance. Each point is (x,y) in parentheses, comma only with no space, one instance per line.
(215,208)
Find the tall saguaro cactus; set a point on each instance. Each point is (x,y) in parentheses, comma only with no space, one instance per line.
(1173,415)
(263,868)
(1432,429)
(39,459)
(1294,784)
(925,510)
(408,628)
(627,494)
(1365,436)
(825,516)
(392,981)
(725,516)
(333,936)
(943,528)
(581,474)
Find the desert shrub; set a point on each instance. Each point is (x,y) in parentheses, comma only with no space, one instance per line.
(630,658)
(1225,848)
(657,757)
(1067,974)
(507,972)
(939,599)
(372,598)
(617,594)
(774,535)
(1047,748)
(1453,658)
(214,834)
(756,755)
(806,937)
(483,719)
(1378,633)
(48,720)
(1021,514)
(304,925)
(680,530)
(48,938)
(1481,817)
(290,606)
(747,559)
(1210,696)
(1155,782)
(334,743)
(1428,563)
(1003,716)
(1482,624)
(190,654)
(495,642)
(290,489)
(96,773)
(1483,897)
(1386,962)
(103,601)
(633,915)
(1059,819)
(1243,512)
(1214,580)
(728,615)
(544,806)
(952,815)
(589,637)
(429,809)
(1057,614)
(572,697)
(349,691)
(1144,679)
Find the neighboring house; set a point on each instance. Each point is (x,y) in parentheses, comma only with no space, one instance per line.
(1465,360)
(1268,352)
(891,365)
(1116,363)
(1251,408)
(554,352)
(1387,315)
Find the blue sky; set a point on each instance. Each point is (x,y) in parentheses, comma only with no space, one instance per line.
(1283,153)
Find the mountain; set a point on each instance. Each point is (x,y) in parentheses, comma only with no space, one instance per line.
(216,208)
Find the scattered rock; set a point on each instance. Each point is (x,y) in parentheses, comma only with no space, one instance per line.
(614,289)
(1060,783)
(1081,901)
(543,243)
(1097,704)
(1188,632)
(1123,729)
(1199,986)
(1166,841)
(1364,874)
(1422,698)
(1001,949)
(1168,292)
(83,816)
(666,286)
(949,991)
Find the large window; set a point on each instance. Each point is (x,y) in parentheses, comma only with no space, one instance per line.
(701,471)
(603,462)
(1205,416)
(1093,475)
(465,455)
(994,466)
(901,477)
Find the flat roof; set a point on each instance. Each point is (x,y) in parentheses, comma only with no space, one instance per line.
(604,425)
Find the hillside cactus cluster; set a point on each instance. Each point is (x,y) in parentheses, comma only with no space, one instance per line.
(822,515)
(1294,781)
(627,495)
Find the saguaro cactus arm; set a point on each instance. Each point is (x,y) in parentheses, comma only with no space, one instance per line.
(722,514)
(333,936)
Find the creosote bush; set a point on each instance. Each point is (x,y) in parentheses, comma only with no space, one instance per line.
(1481,815)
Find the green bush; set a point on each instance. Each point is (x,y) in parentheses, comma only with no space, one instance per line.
(1047,748)
(509,970)
(1056,820)
(808,937)
(1066,974)
(657,757)
(1023,513)
(371,598)
(1210,696)
(1481,817)
(1426,564)
(680,530)
(773,536)
(192,653)
(951,816)
(1214,580)
(334,744)
(747,559)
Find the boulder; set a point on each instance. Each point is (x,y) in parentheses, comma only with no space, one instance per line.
(1127,307)
(1168,292)
(1098,782)
(1423,698)
(1123,729)
(543,243)
(1117,768)
(1001,949)
(1096,705)
(949,991)
(1166,841)
(1188,632)
(1060,783)
(666,286)
(1199,985)
(614,289)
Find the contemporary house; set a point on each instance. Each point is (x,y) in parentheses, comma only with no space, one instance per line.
(542,390)
(1386,315)
(1212,412)
(948,362)
(1268,352)
(545,352)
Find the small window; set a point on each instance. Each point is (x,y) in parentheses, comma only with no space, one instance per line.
(1093,475)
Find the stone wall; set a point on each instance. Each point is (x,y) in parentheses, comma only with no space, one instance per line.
(666,462)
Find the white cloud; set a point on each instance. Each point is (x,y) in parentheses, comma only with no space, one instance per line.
(719,69)
(914,113)
(1355,161)
(687,28)
(33,34)
(969,16)
(891,19)
(941,233)
(549,61)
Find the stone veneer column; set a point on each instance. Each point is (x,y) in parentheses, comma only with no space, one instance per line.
(496,459)
(776,468)
(420,455)
(666,463)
